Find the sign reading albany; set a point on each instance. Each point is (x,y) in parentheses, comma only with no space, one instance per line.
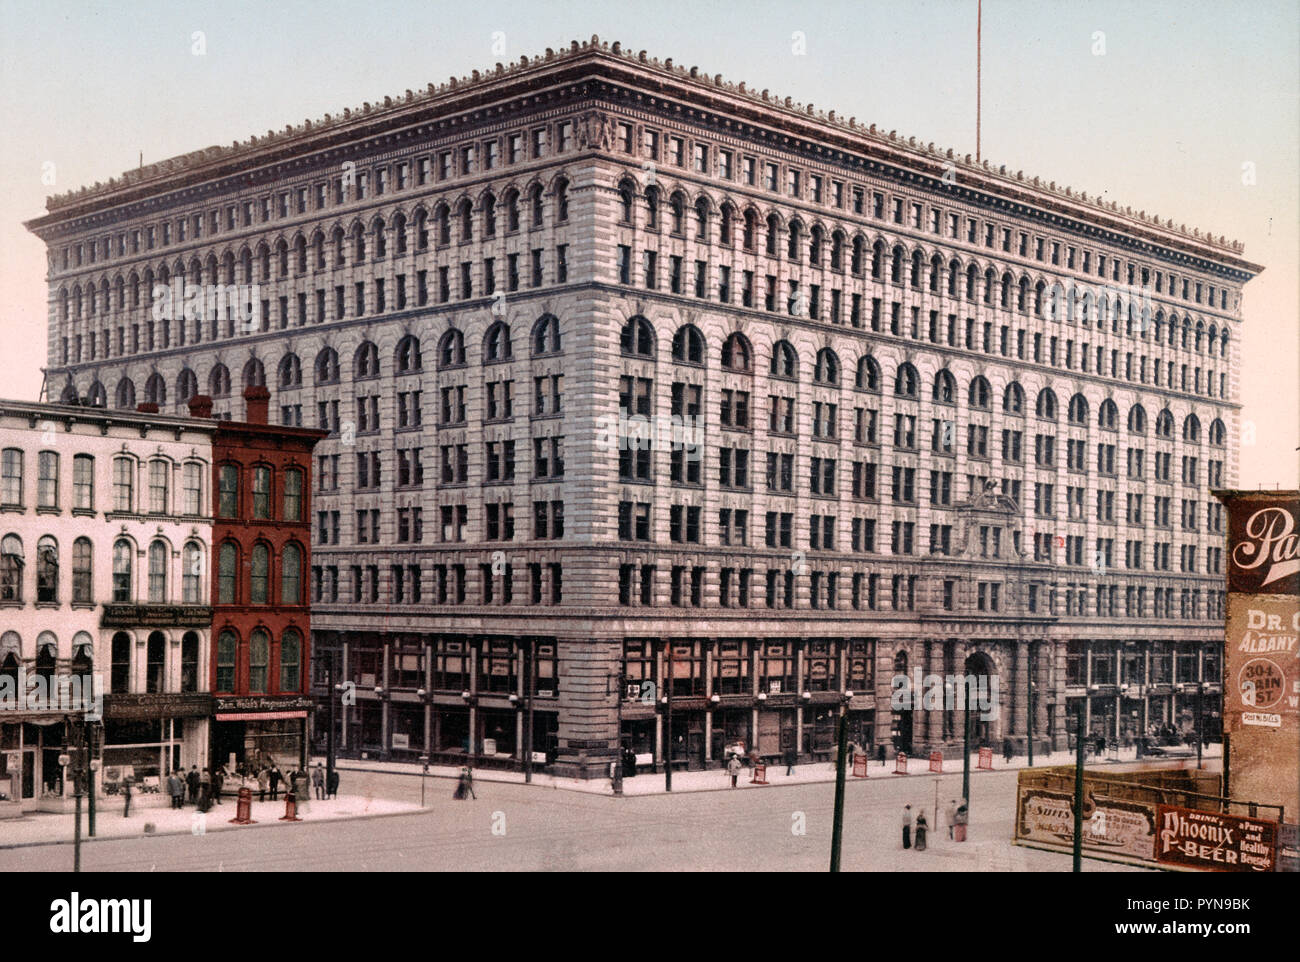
(1214,841)
(1262,685)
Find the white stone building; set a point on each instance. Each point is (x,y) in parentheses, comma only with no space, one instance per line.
(105,534)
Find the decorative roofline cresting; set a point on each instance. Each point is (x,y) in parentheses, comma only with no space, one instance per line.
(803,119)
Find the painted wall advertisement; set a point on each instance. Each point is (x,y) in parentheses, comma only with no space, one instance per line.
(1215,842)
(1111,827)
(1264,545)
(1262,682)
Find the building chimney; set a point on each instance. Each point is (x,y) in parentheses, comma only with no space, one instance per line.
(257,402)
(201,406)
(148,407)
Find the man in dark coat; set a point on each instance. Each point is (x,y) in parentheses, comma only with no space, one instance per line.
(791,758)
(218,779)
(333,787)
(192,782)
(275,782)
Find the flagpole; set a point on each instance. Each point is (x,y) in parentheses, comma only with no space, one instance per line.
(979,27)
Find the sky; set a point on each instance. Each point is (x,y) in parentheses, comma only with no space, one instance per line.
(1181,108)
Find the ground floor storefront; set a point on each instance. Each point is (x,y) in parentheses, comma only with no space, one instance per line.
(578,701)
(254,731)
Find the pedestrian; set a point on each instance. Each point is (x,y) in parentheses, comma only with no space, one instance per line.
(275,777)
(192,783)
(950,816)
(301,792)
(880,753)
(126,795)
(177,789)
(921,826)
(907,826)
(791,757)
(332,789)
(218,780)
(733,769)
(318,781)
(263,783)
(205,790)
(1006,750)
(465,785)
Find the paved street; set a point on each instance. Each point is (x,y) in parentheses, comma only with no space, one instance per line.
(528,828)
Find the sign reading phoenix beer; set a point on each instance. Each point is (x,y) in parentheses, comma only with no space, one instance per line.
(1264,546)
(1214,841)
(1262,688)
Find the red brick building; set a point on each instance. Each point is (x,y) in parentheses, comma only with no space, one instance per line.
(261,625)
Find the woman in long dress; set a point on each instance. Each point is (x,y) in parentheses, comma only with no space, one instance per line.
(921,826)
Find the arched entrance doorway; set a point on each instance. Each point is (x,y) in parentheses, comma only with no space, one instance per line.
(984,691)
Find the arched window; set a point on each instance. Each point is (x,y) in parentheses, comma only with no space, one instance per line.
(945,387)
(228,491)
(187,385)
(254,374)
(546,335)
(702,220)
(1108,416)
(259,660)
(155,662)
(1217,433)
(1045,407)
(979,394)
(637,337)
(155,390)
(408,355)
(227,573)
(736,353)
(1192,429)
(688,345)
(365,363)
(1078,412)
(451,349)
(47,653)
(1137,419)
(227,648)
(906,381)
(219,381)
(1165,424)
(262,492)
(496,342)
(626,196)
(290,661)
(561,200)
(82,583)
(868,378)
(785,363)
(378,230)
(826,369)
(327,366)
(125,394)
(47,571)
(159,555)
(260,574)
(123,560)
(291,575)
(651,208)
(289,374)
(192,574)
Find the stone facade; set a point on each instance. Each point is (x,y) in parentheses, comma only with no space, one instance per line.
(947,372)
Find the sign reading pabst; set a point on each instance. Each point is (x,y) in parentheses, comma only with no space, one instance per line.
(1264,545)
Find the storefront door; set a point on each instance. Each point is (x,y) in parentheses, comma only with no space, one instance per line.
(29,773)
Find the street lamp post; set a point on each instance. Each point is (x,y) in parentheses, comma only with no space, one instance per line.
(668,723)
(1029,726)
(1078,789)
(329,736)
(837,825)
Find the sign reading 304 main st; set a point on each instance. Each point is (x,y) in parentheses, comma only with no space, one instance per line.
(1262,689)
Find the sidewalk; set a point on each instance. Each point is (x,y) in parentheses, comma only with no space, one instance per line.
(47,829)
(716,779)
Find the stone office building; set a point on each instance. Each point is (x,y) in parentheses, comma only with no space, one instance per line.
(954,417)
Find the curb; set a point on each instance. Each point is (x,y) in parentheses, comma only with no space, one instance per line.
(223,827)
